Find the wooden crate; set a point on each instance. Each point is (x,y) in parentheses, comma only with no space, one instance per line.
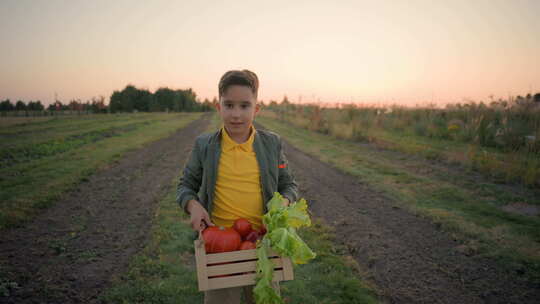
(235,268)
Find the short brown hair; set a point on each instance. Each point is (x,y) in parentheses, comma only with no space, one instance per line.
(236,77)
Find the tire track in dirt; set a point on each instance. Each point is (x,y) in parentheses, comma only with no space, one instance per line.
(408,257)
(71,252)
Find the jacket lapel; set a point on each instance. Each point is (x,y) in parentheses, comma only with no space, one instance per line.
(214,152)
(261,160)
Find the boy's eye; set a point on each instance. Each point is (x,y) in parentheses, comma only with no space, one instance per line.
(229,106)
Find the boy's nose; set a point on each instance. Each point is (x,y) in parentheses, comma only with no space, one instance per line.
(236,112)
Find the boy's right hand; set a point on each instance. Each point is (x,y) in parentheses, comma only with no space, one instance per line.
(199,217)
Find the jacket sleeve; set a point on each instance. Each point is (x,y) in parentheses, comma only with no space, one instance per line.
(287,186)
(190,180)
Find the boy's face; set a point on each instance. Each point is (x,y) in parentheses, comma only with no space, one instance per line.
(238,107)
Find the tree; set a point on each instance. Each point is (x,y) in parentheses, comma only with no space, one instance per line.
(165,99)
(6,105)
(34,106)
(39,106)
(536,97)
(142,100)
(98,105)
(115,104)
(206,105)
(20,106)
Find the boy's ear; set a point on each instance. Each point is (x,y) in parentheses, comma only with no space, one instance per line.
(218,106)
(257,107)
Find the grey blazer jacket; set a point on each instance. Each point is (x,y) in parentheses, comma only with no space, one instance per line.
(199,176)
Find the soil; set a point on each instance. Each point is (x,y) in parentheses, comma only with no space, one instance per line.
(409,258)
(71,252)
(522,209)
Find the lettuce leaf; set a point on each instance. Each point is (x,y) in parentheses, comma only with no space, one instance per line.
(281,223)
(263,291)
(286,242)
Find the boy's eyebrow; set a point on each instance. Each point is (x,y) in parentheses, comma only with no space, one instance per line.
(230,101)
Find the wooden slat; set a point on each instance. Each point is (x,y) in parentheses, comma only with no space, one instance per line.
(224,257)
(244,261)
(237,267)
(239,255)
(288,273)
(240,280)
(200,259)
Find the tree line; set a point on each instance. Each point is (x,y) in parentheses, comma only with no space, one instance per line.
(129,99)
(162,100)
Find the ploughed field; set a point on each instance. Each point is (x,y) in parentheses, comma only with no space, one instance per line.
(87,214)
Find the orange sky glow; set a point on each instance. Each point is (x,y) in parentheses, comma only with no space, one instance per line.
(379,52)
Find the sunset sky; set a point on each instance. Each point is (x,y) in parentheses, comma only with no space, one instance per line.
(333,51)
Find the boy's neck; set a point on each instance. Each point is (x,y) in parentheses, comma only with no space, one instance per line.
(239,139)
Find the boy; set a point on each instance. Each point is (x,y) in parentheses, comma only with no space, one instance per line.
(234,172)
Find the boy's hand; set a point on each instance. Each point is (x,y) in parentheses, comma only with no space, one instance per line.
(199,217)
(285,202)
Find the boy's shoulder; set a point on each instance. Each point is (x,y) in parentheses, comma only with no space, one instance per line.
(206,139)
(269,139)
(269,135)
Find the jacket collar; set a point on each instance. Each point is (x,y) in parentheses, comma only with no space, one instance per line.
(260,154)
(229,144)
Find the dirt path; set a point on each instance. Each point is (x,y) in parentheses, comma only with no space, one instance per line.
(70,253)
(408,257)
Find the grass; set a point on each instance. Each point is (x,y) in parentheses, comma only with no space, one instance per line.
(38,167)
(27,134)
(164,271)
(501,140)
(332,277)
(467,207)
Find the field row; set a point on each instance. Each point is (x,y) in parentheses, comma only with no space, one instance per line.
(37,166)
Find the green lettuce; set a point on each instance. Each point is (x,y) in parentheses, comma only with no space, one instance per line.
(281,223)
(263,291)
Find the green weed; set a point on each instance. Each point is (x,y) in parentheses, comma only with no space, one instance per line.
(498,130)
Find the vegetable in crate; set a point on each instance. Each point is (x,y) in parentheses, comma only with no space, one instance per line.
(253,236)
(243,227)
(220,239)
(246,245)
(281,223)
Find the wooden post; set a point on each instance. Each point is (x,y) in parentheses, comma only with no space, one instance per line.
(200,258)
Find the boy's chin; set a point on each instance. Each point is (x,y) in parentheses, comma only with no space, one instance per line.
(238,128)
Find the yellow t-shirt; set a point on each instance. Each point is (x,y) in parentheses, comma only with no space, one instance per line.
(238,191)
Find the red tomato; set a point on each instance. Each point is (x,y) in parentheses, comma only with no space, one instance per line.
(246,245)
(220,239)
(242,226)
(262,231)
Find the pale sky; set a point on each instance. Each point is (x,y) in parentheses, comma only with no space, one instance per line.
(332,51)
